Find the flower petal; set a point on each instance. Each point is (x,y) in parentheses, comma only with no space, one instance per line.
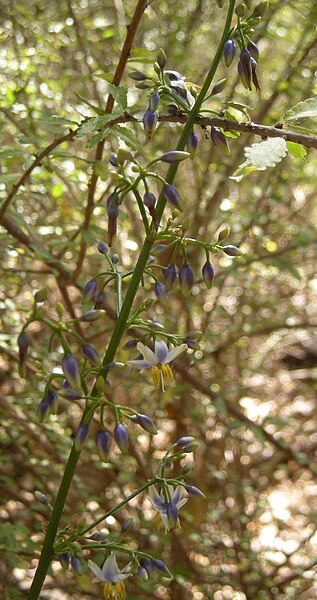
(110,568)
(156,499)
(139,364)
(177,494)
(174,352)
(95,569)
(161,351)
(148,354)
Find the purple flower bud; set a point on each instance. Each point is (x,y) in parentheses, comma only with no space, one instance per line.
(161,567)
(115,259)
(98,536)
(91,353)
(89,291)
(191,144)
(147,563)
(170,275)
(208,273)
(40,295)
(220,140)
(112,211)
(103,443)
(99,300)
(186,279)
(246,83)
(143,574)
(113,159)
(92,315)
(191,489)
(137,76)
(121,437)
(154,102)
(40,497)
(77,564)
(162,295)
(172,195)
(43,409)
(23,345)
(127,525)
(146,423)
(255,80)
(130,344)
(71,371)
(52,401)
(143,85)
(64,559)
(172,109)
(174,156)
(187,443)
(229,51)
(70,394)
(187,468)
(81,436)
(193,344)
(149,200)
(231,250)
(172,514)
(245,62)
(254,50)
(219,87)
(103,248)
(149,123)
(161,58)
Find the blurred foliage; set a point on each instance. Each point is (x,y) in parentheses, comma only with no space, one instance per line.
(255,536)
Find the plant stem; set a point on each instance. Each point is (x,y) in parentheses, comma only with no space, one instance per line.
(120,327)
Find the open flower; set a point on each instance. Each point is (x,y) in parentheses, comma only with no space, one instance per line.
(157,361)
(167,503)
(114,588)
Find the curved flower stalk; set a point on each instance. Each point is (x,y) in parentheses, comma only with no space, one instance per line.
(168,511)
(158,361)
(112,576)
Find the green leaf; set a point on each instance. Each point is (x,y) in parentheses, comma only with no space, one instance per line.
(128,136)
(141,55)
(307,108)
(120,94)
(266,154)
(96,123)
(297,150)
(98,137)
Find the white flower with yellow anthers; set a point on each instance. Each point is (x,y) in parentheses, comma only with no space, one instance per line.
(158,361)
(114,588)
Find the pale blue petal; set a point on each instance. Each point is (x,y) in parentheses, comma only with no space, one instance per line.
(110,568)
(156,499)
(96,570)
(161,351)
(174,352)
(139,364)
(148,354)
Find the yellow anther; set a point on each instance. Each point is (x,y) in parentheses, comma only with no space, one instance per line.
(167,374)
(156,376)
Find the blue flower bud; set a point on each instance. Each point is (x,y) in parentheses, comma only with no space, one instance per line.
(254,50)
(187,443)
(186,279)
(191,144)
(229,51)
(113,159)
(112,212)
(147,563)
(187,468)
(103,443)
(23,346)
(255,80)
(172,109)
(71,371)
(245,82)
(231,250)
(191,489)
(161,567)
(161,58)
(127,525)
(40,497)
(208,273)
(89,291)
(81,436)
(99,300)
(172,514)
(137,76)
(130,344)
(43,409)
(64,559)
(154,101)
(172,195)
(220,140)
(92,315)
(170,275)
(146,423)
(143,574)
(149,123)
(162,295)
(77,564)
(52,401)
(98,536)
(149,200)
(174,156)
(70,394)
(121,437)
(40,295)
(103,248)
(245,62)
(91,353)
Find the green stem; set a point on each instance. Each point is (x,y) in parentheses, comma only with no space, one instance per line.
(120,327)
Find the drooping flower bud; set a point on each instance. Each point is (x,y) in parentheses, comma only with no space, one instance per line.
(113,159)
(81,436)
(172,195)
(112,211)
(92,315)
(174,156)
(103,248)
(146,423)
(187,468)
(137,76)
(91,353)
(23,346)
(64,559)
(231,250)
(130,344)
(246,68)
(154,101)
(71,371)
(220,140)
(121,437)
(40,295)
(40,497)
(43,409)
(98,536)
(149,123)
(161,58)
(162,295)
(255,80)
(123,155)
(89,291)
(99,300)
(187,443)
(208,273)
(142,574)
(103,443)
(127,525)
(52,400)
(77,564)
(186,279)
(191,489)
(229,51)
(170,275)
(149,200)
(161,567)
(48,405)
(219,87)
(191,144)
(254,50)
